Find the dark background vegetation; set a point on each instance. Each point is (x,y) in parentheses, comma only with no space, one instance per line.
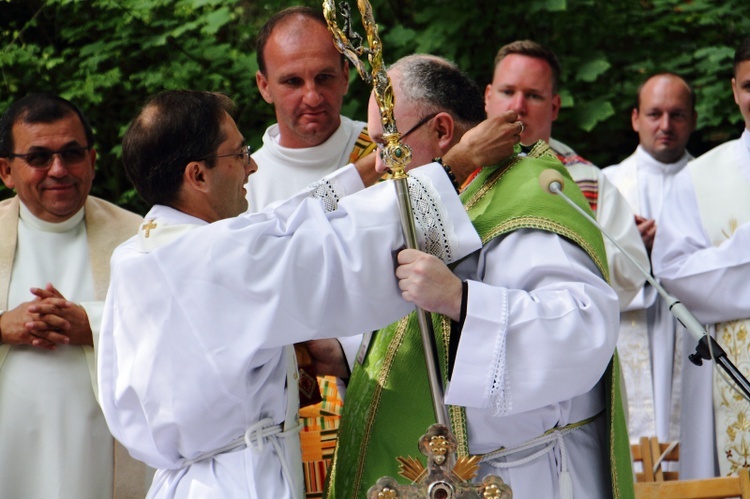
(108,56)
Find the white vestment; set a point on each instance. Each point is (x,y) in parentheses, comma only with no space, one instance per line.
(284,171)
(709,275)
(50,422)
(194,329)
(650,343)
(540,329)
(613,213)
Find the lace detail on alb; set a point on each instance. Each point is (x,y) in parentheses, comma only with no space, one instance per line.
(436,237)
(325,191)
(500,396)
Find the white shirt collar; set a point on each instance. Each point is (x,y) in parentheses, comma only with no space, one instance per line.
(37,223)
(649,163)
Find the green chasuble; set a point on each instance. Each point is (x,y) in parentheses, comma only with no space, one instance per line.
(388,406)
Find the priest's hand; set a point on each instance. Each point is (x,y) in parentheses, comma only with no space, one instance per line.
(486,144)
(647,228)
(328,358)
(15,329)
(428,283)
(54,315)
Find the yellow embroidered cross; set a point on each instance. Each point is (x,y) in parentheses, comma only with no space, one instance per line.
(148,226)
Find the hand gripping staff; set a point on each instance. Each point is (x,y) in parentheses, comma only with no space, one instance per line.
(445,477)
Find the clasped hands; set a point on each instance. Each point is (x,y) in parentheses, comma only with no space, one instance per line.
(46,321)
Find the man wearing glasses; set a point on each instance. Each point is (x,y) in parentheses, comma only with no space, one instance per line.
(196,367)
(54,271)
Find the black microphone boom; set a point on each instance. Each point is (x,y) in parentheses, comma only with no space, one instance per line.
(552,182)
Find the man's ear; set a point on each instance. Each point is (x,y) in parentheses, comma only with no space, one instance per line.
(445,128)
(345,71)
(556,105)
(5,173)
(634,120)
(194,178)
(262,82)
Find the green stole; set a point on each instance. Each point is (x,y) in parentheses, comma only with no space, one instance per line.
(388,405)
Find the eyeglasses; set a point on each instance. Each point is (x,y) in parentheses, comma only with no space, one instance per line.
(244,154)
(419,124)
(42,158)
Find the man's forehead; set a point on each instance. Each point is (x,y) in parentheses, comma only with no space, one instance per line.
(300,39)
(229,127)
(67,128)
(523,72)
(665,92)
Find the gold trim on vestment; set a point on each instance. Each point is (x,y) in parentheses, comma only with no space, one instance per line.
(390,356)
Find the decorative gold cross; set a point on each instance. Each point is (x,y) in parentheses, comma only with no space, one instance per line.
(440,479)
(148,226)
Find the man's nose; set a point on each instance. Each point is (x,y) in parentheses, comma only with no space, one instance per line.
(251,167)
(664,122)
(57,168)
(380,165)
(518,103)
(313,96)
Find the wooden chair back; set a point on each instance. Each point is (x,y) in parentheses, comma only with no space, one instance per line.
(652,454)
(708,488)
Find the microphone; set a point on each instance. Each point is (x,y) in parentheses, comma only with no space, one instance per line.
(553,182)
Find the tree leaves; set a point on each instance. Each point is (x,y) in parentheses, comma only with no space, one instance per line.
(109,56)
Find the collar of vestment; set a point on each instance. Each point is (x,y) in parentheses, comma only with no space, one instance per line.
(37,223)
(651,164)
(162,225)
(320,156)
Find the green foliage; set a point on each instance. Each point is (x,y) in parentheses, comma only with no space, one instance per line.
(109,56)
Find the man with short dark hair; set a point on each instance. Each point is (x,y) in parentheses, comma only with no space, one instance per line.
(700,255)
(305,78)
(650,343)
(196,368)
(54,272)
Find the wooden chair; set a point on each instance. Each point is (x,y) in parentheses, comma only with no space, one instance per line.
(709,488)
(651,454)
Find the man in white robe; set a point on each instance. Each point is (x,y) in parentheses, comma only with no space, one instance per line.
(526,80)
(651,343)
(306,78)
(204,304)
(531,317)
(57,241)
(700,255)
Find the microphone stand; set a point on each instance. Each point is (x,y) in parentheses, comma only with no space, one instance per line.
(707,348)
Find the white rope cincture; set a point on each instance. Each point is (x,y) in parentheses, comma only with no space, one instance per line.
(263,430)
(548,440)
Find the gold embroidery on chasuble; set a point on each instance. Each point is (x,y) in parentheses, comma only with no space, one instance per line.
(730,408)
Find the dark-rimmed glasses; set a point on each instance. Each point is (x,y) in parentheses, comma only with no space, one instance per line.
(419,124)
(42,158)
(244,154)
